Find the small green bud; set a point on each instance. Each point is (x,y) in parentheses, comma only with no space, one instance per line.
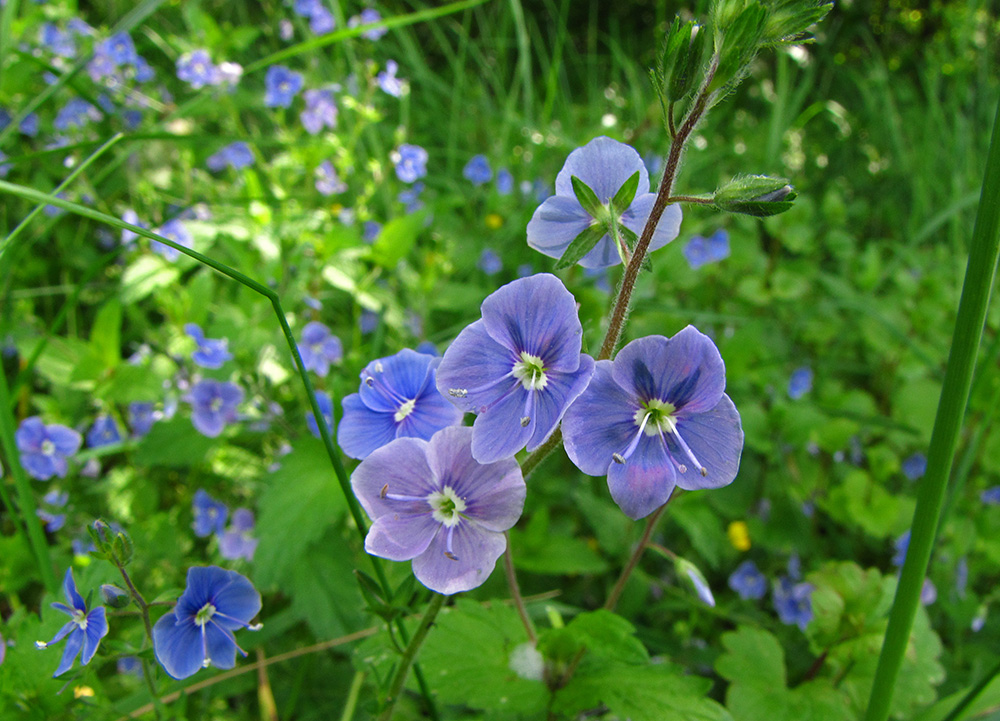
(694,578)
(738,44)
(723,13)
(682,53)
(757,195)
(114,596)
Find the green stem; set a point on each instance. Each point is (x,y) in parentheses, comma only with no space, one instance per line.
(971,696)
(979,276)
(25,497)
(633,560)
(515,590)
(437,600)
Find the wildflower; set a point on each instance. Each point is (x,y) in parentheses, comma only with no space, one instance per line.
(319,348)
(54,500)
(748,581)
(176,231)
(654,418)
(477,170)
(44,449)
(519,367)
(320,112)
(76,113)
(739,535)
(410,162)
(372,229)
(4,167)
(398,398)
(141,417)
(915,466)
(962,576)
(388,81)
(129,666)
(198,633)
(281,85)
(902,545)
(84,630)
(321,21)
(213,405)
(793,602)
(197,69)
(29,126)
(701,251)
(368,16)
(368,321)
(411,197)
(236,542)
(505,182)
(432,502)
(928,593)
(228,75)
(128,237)
(489,262)
(236,155)
(327,180)
(104,432)
(800,382)
(209,514)
(211,352)
(325,404)
(991,496)
(604,165)
(120,48)
(59,42)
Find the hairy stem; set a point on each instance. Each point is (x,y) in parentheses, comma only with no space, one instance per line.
(515,591)
(437,600)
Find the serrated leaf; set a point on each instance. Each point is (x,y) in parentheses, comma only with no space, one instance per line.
(626,194)
(580,246)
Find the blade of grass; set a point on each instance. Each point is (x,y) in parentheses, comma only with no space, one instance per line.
(979,277)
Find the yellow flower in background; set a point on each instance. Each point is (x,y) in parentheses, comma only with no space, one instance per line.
(493,221)
(739,535)
(83,692)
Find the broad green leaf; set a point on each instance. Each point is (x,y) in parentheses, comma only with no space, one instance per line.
(174,443)
(604,635)
(322,595)
(105,336)
(397,238)
(146,275)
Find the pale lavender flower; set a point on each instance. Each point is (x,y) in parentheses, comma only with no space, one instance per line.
(505,182)
(141,417)
(368,16)
(197,69)
(44,449)
(793,602)
(281,85)
(432,502)
(319,348)
(176,231)
(320,112)
(701,251)
(327,180)
(76,113)
(748,581)
(388,81)
(410,162)
(489,262)
(211,352)
(800,382)
(915,466)
(991,496)
(325,404)
(213,405)
(236,155)
(236,542)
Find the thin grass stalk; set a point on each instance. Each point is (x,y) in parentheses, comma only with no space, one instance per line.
(979,276)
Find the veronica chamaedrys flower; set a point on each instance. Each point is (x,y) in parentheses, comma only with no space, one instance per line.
(701,251)
(198,633)
(176,231)
(103,432)
(209,514)
(397,399)
(991,496)
(654,418)
(84,630)
(748,581)
(213,405)
(604,165)
(519,367)
(368,16)
(800,382)
(325,403)
(236,155)
(44,448)
(197,69)
(319,348)
(211,352)
(281,85)
(388,81)
(915,466)
(432,502)
(478,170)
(320,112)
(793,602)
(236,542)
(410,162)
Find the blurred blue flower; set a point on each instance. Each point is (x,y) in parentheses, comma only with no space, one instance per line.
(59,42)
(325,404)
(602,280)
(915,466)
(524,270)
(236,543)
(120,48)
(53,501)
(800,382)
(44,448)
(141,417)
(700,251)
(518,367)
(83,632)
(209,514)
(198,633)
(901,545)
(104,432)
(410,162)
(281,85)
(367,17)
(213,405)
(928,592)
(128,237)
(432,502)
(793,602)
(236,155)
(371,231)
(320,112)
(211,352)
(319,348)
(411,197)
(176,231)
(327,180)
(4,167)
(794,567)
(654,418)
(489,262)
(991,496)
(604,165)
(29,125)
(505,182)
(129,666)
(748,581)
(368,321)
(477,170)
(322,21)
(144,71)
(197,69)
(397,398)
(388,81)
(75,114)
(305,8)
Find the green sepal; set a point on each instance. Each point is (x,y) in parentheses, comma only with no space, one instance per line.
(788,20)
(588,199)
(370,588)
(681,60)
(625,195)
(581,245)
(738,44)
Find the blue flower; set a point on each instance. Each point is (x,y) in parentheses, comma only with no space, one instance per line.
(655,418)
(173,230)
(120,48)
(477,170)
(388,81)
(398,398)
(281,85)
(505,182)
(432,502)
(141,417)
(489,262)
(410,162)
(198,633)
(793,602)
(325,404)
(320,112)
(128,237)
(4,167)
(211,352)
(915,466)
(368,16)
(197,69)
(991,496)
(902,545)
(29,126)
(44,449)
(322,21)
(236,155)
(411,198)
(928,593)
(104,432)
(327,180)
(368,321)
(519,367)
(701,251)
(54,500)
(800,382)
(209,514)
(604,165)
(75,114)
(372,228)
(236,543)
(748,581)
(59,42)
(213,405)
(962,576)
(319,348)
(84,630)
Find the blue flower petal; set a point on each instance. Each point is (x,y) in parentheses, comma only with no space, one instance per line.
(600,423)
(74,642)
(474,553)
(645,481)
(669,227)
(475,364)
(402,469)
(72,595)
(97,628)
(178,646)
(550,405)
(362,430)
(498,433)
(401,537)
(716,439)
(604,164)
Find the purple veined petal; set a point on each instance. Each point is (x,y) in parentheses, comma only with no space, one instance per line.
(66,440)
(220,645)
(230,393)
(600,423)
(66,629)
(476,550)
(552,402)
(645,481)
(236,602)
(74,642)
(173,642)
(716,439)
(686,370)
(401,538)
(39,465)
(30,434)
(202,583)
(604,164)
(555,224)
(362,430)
(97,628)
(498,433)
(387,383)
(72,595)
(475,363)
(536,315)
(431,412)
(400,468)
(208,423)
(669,227)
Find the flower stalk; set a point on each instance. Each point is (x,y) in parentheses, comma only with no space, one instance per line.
(437,600)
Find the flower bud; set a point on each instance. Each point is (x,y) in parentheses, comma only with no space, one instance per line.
(681,59)
(788,20)
(690,573)
(114,596)
(757,195)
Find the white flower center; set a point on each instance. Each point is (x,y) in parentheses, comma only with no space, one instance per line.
(80,619)
(530,370)
(447,506)
(405,410)
(656,417)
(48,447)
(204,614)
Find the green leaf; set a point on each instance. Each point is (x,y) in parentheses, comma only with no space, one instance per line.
(315,583)
(581,245)
(588,199)
(397,239)
(105,336)
(174,443)
(625,195)
(146,275)
(605,635)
